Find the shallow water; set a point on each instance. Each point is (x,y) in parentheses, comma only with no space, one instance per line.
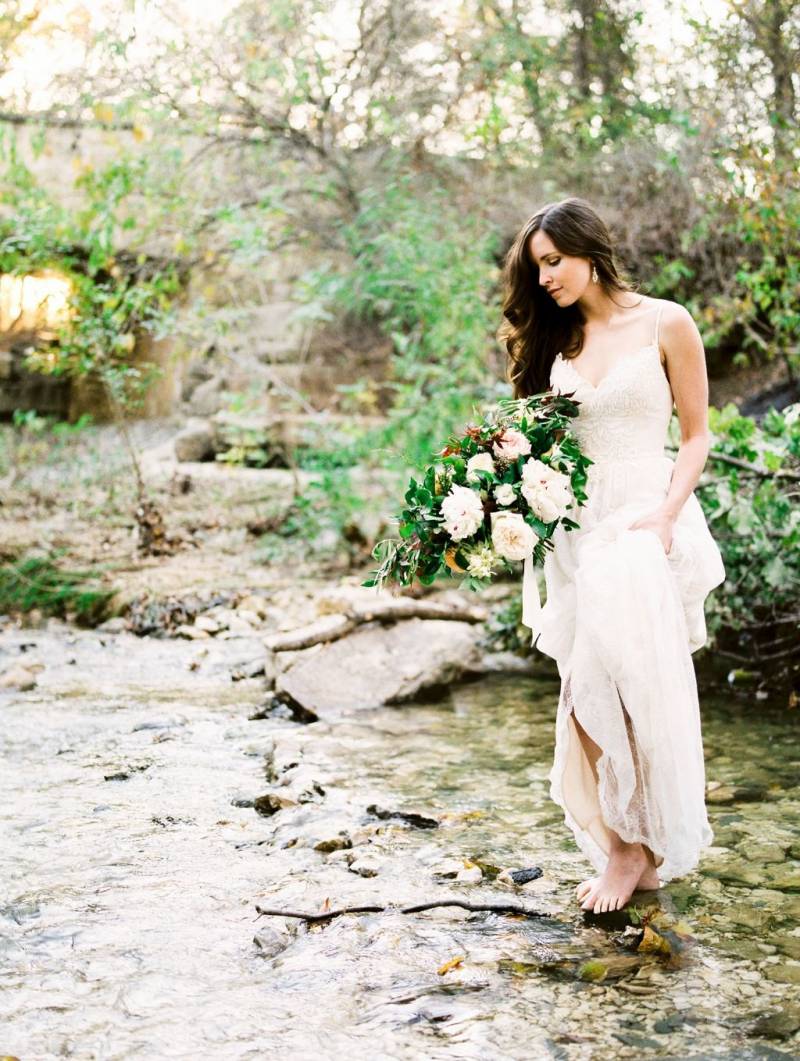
(134,859)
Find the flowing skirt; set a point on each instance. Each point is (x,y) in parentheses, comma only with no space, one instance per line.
(621,619)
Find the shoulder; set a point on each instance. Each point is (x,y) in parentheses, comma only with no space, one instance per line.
(677,330)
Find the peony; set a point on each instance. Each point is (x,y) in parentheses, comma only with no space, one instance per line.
(480,462)
(481,561)
(546,490)
(462,510)
(512,537)
(511,444)
(504,494)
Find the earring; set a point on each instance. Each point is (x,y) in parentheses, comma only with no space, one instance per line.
(594,273)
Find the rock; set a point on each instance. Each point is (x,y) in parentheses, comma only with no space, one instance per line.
(117,625)
(208,398)
(193,633)
(783,878)
(364,867)
(470,874)
(755,851)
(336,843)
(735,793)
(525,876)
(207,623)
(377,665)
(253,603)
(778,1025)
(19,677)
(195,442)
(419,821)
(270,804)
(449,869)
(783,973)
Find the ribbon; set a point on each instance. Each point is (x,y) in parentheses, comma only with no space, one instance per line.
(531,602)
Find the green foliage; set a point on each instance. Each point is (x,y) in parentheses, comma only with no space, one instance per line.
(425,274)
(755,518)
(115,297)
(38,583)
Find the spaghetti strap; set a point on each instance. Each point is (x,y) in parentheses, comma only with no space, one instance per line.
(658,319)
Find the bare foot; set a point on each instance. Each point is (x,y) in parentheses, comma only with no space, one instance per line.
(647,882)
(615,886)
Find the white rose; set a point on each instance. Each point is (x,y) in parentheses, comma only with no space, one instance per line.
(512,538)
(462,510)
(546,490)
(480,462)
(511,444)
(504,494)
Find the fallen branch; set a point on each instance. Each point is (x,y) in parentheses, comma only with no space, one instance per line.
(314,919)
(332,627)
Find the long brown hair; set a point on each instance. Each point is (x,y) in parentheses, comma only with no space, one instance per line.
(535,329)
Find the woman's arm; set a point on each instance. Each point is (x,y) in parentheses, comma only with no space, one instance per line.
(686,368)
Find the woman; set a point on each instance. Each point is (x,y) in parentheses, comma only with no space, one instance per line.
(625,592)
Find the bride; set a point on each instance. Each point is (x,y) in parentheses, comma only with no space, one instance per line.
(625,591)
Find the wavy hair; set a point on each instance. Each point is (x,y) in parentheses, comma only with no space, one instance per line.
(535,329)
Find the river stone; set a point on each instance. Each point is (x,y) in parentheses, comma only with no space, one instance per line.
(784,878)
(779,1025)
(195,442)
(18,677)
(784,973)
(755,851)
(378,665)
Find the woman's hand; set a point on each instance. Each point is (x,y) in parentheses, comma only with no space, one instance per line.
(660,522)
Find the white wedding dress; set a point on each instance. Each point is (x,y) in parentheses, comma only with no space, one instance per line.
(621,619)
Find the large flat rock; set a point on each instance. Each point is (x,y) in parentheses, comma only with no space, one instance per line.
(380,664)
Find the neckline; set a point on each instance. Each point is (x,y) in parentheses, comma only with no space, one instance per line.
(614,367)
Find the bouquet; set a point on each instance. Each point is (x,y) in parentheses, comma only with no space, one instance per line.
(490,499)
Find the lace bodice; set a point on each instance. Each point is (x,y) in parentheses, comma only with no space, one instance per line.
(628,413)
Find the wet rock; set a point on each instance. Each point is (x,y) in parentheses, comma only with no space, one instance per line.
(270,804)
(242,801)
(377,665)
(195,442)
(790,946)
(525,876)
(283,706)
(779,1025)
(785,879)
(20,677)
(126,773)
(419,821)
(733,872)
(449,869)
(754,851)
(783,972)
(270,942)
(365,867)
(736,793)
(335,843)
(748,915)
(470,874)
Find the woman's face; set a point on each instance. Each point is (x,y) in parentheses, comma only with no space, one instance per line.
(564,278)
